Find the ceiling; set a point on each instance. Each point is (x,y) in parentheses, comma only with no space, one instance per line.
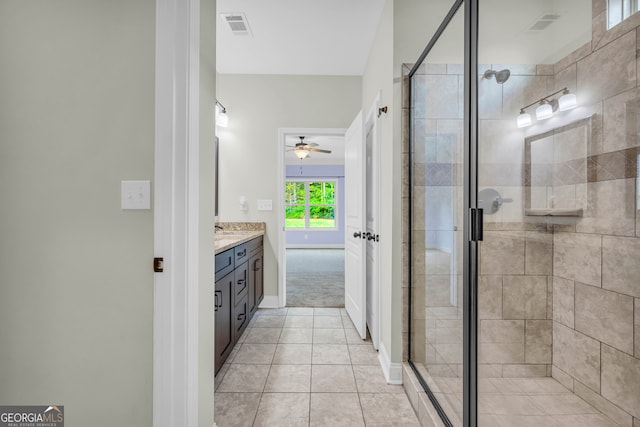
(326,142)
(309,37)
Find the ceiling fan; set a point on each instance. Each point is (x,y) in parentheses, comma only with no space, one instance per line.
(302,149)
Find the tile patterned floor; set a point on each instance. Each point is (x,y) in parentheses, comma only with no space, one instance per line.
(302,366)
(521,402)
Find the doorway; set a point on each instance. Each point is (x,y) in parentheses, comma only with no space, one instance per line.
(311,232)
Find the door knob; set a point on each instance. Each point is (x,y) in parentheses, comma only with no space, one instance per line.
(357,234)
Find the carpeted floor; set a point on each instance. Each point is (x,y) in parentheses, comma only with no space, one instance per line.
(315,277)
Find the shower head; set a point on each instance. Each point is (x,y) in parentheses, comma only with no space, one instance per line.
(501,76)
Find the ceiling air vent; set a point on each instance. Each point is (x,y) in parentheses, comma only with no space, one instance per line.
(544,21)
(237,23)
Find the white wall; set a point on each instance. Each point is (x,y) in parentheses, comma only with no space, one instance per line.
(76,284)
(206,333)
(378,76)
(258,105)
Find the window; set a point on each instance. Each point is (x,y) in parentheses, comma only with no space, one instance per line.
(619,10)
(310,204)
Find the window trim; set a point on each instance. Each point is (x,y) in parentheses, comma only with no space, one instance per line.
(307,205)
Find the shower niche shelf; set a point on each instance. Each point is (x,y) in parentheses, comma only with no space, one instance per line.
(554,212)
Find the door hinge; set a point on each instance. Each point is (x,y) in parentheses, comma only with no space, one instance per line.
(158,265)
(475,215)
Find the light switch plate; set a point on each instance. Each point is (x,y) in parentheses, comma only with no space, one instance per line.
(265,205)
(135,195)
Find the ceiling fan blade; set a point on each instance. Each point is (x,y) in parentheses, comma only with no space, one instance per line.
(312,144)
(293,149)
(318,150)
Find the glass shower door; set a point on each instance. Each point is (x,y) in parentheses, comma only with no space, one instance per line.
(437,142)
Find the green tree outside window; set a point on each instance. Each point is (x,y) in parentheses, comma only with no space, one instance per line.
(310,204)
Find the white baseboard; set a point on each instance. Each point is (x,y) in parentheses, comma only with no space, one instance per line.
(315,246)
(270,301)
(392,371)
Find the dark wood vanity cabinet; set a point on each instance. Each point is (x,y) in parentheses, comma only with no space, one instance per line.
(239,290)
(224,319)
(256,276)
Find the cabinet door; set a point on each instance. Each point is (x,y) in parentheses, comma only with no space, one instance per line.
(224,319)
(256,288)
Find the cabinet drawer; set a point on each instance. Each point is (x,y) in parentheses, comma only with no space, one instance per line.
(240,317)
(224,263)
(241,253)
(240,282)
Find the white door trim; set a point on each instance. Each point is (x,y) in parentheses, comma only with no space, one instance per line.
(373,120)
(176,195)
(282,241)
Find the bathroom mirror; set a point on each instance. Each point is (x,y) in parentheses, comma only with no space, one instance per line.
(215,187)
(556,170)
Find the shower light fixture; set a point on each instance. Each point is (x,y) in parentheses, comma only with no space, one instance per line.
(544,110)
(523,120)
(547,106)
(222,119)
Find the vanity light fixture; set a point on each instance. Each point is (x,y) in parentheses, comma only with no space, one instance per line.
(547,106)
(222,119)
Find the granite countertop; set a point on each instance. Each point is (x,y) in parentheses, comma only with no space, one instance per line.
(236,233)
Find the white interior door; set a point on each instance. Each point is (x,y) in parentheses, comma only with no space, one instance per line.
(372,175)
(355,256)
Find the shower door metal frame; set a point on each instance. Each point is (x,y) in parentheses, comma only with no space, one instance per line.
(472,216)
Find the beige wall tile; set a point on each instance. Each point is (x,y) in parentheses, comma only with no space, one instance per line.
(637,327)
(498,143)
(563,301)
(502,331)
(577,257)
(501,353)
(603,405)
(490,297)
(538,253)
(524,297)
(600,217)
(598,6)
(538,341)
(502,253)
(577,354)
(562,377)
(621,264)
(608,71)
(604,315)
(524,371)
(621,379)
(616,135)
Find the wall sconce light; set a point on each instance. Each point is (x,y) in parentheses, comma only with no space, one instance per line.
(222,119)
(547,106)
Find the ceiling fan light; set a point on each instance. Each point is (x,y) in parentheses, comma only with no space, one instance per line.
(301,153)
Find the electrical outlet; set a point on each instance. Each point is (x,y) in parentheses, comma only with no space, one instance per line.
(265,205)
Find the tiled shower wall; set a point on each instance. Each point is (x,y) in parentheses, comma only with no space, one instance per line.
(596,259)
